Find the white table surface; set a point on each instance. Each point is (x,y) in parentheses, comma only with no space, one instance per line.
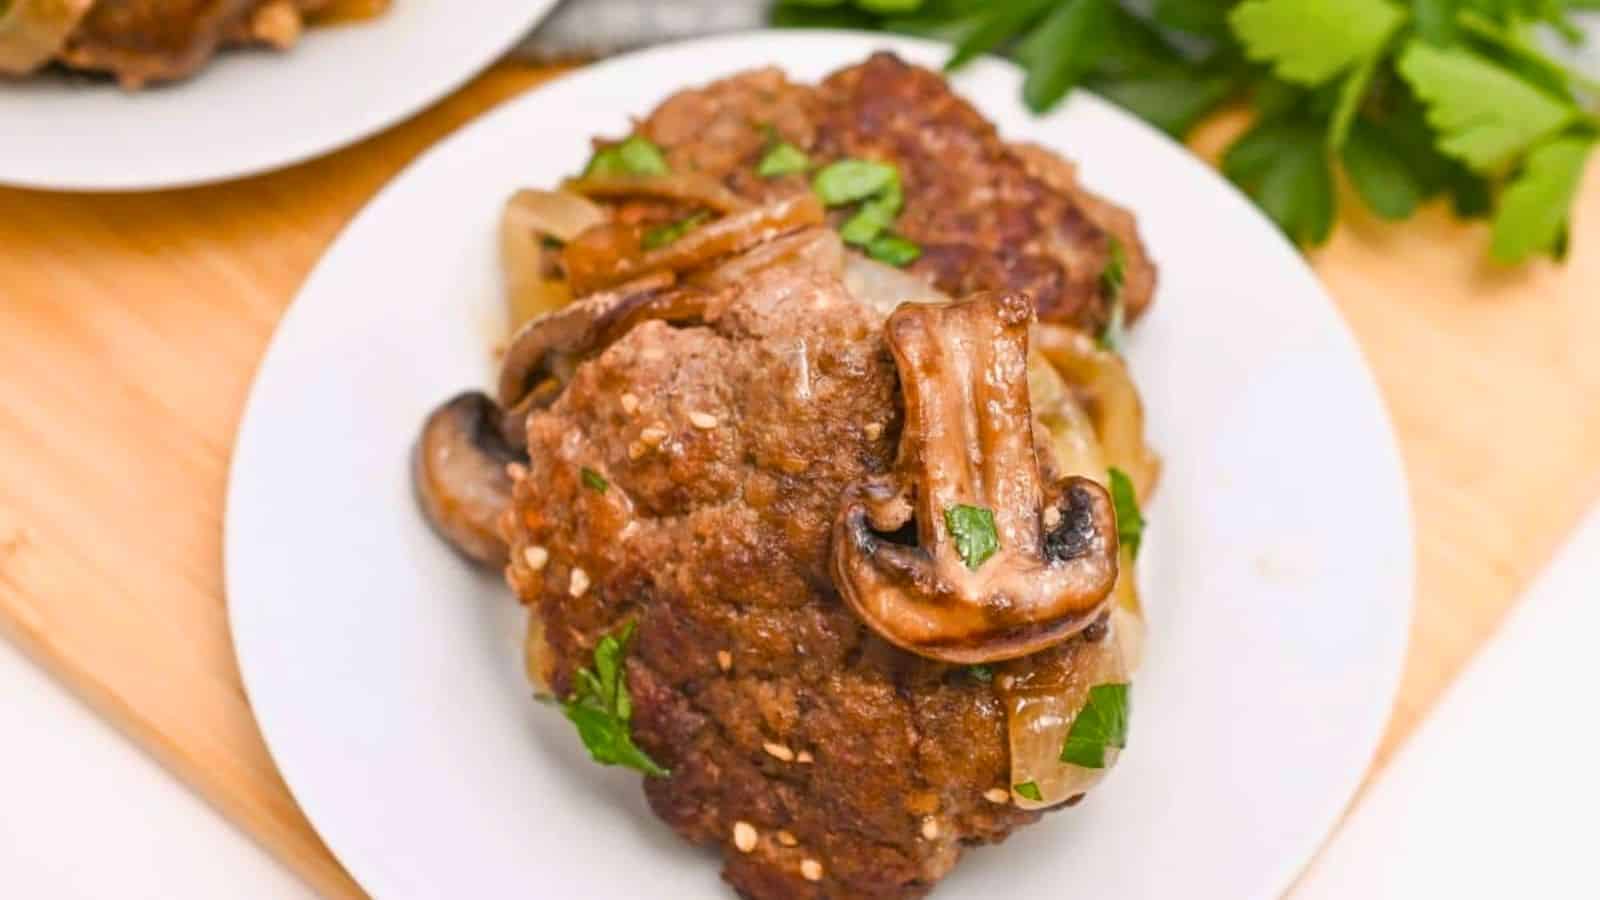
(86,815)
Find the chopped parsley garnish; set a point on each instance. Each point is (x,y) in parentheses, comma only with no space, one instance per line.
(635,156)
(662,235)
(782,158)
(1130,521)
(1111,281)
(1030,790)
(974,532)
(852,180)
(600,708)
(1100,725)
(593,480)
(981,673)
(875,185)
(894,250)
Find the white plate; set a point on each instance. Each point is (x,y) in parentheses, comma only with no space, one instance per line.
(251,111)
(387,676)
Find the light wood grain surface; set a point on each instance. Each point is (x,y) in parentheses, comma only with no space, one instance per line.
(130,327)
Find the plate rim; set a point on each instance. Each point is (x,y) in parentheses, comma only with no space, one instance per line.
(493,47)
(1289,868)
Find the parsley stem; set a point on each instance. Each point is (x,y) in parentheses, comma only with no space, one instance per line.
(1480,26)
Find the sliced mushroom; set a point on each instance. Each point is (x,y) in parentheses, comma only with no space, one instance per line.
(545,353)
(968,441)
(460,476)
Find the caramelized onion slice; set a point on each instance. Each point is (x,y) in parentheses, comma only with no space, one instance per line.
(33,31)
(688,188)
(530,216)
(1043,694)
(607,260)
(1100,381)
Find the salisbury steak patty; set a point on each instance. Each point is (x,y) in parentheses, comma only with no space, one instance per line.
(857,769)
(987,215)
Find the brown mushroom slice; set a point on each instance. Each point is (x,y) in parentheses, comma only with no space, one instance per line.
(459,472)
(33,31)
(609,256)
(544,353)
(968,441)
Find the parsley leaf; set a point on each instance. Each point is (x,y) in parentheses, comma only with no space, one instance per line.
(662,235)
(1380,174)
(1063,50)
(1284,166)
(782,158)
(974,532)
(1485,115)
(1130,521)
(635,156)
(1173,102)
(981,673)
(1534,209)
(593,480)
(1030,790)
(1101,725)
(600,708)
(1310,41)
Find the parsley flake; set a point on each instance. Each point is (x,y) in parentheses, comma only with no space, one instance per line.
(1029,790)
(662,235)
(981,673)
(894,250)
(637,155)
(974,532)
(1100,726)
(782,158)
(600,708)
(1130,521)
(593,480)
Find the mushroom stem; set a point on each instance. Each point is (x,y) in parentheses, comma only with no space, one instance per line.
(967,450)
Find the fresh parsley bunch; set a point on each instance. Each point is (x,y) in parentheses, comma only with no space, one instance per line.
(1413,98)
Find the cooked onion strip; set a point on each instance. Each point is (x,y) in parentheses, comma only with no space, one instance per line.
(530,216)
(605,261)
(688,188)
(33,31)
(1100,379)
(1043,694)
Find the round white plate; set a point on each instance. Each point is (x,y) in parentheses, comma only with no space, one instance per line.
(250,111)
(386,674)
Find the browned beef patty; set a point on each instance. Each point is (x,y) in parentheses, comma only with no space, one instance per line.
(988,215)
(862,769)
(143,41)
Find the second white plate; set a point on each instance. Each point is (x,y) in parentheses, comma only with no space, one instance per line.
(251,111)
(386,674)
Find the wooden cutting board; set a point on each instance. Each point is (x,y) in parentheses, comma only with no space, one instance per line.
(130,327)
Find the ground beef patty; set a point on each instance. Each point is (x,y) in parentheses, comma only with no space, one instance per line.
(857,769)
(987,215)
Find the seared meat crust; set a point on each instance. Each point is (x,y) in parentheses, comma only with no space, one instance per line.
(727,446)
(988,215)
(143,41)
